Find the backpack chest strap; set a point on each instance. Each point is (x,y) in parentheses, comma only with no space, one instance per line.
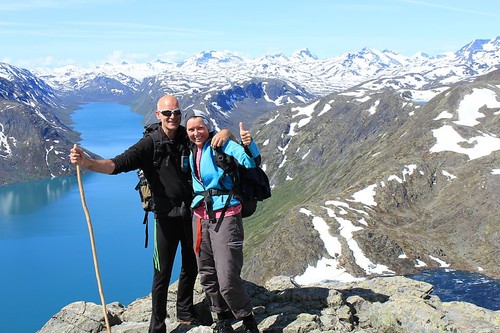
(209,204)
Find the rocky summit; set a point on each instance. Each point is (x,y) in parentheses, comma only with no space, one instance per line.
(383,304)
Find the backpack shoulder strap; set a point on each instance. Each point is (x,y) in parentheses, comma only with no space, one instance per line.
(225,161)
(230,166)
(160,150)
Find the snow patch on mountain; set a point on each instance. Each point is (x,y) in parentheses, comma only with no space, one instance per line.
(5,148)
(441,263)
(448,175)
(366,196)
(331,268)
(299,112)
(468,110)
(468,114)
(326,269)
(448,139)
(374,107)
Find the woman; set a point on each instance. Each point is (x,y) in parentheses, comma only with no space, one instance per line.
(219,241)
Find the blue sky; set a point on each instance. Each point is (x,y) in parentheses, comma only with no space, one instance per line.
(53,33)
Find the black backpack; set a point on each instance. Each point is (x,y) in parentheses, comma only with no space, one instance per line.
(250,185)
(146,199)
(143,186)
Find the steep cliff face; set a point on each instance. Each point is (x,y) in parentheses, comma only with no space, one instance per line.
(34,144)
(34,141)
(399,185)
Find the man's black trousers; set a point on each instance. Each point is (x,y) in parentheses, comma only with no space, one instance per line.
(169,232)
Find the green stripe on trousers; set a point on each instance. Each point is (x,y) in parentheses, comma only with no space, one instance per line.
(156,257)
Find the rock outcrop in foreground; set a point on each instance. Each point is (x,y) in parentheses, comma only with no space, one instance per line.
(386,304)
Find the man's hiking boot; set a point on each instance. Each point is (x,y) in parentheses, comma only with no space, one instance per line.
(250,327)
(223,326)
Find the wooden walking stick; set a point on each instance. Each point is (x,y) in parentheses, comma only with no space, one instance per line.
(94,252)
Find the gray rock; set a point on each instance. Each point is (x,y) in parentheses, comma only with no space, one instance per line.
(82,317)
(390,304)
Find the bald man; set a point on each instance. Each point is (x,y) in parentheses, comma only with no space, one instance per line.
(172,194)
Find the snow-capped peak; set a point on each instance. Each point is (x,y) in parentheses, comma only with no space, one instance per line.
(303,55)
(317,76)
(211,57)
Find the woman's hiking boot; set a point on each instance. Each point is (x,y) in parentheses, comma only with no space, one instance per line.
(223,326)
(250,327)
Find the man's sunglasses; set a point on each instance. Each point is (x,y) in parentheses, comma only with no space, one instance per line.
(168,113)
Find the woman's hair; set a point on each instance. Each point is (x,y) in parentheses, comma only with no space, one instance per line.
(193,113)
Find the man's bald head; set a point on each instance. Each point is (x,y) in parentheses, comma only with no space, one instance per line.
(167,102)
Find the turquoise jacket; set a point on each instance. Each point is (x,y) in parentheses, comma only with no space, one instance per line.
(211,174)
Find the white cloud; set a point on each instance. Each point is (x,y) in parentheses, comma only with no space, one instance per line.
(117,57)
(50,4)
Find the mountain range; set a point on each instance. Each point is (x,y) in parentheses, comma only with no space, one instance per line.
(398,185)
(396,156)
